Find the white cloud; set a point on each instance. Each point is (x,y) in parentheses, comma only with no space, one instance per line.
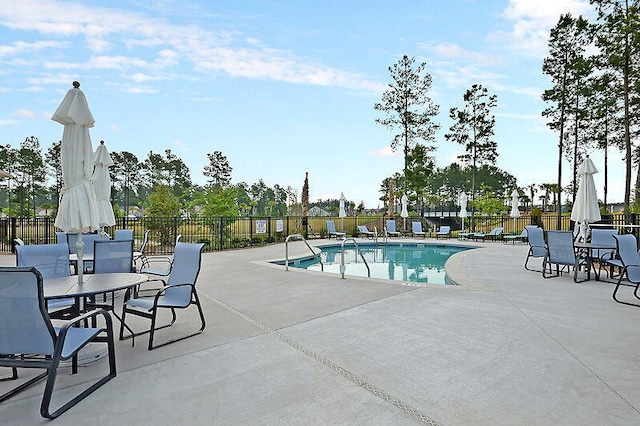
(25,113)
(532,20)
(8,121)
(386,152)
(206,50)
(452,50)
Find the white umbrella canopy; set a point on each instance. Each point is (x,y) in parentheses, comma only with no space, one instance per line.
(463,207)
(102,185)
(586,208)
(78,208)
(343,200)
(515,212)
(405,212)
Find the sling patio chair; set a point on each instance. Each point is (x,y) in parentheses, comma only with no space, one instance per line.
(52,261)
(179,293)
(537,245)
(514,238)
(562,254)
(363,230)
(391,228)
(331,230)
(493,235)
(629,262)
(123,234)
(444,231)
(29,340)
(604,237)
(416,230)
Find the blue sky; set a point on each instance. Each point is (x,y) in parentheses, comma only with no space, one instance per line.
(281,87)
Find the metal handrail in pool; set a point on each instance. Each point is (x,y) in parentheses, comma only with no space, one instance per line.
(342,265)
(286,251)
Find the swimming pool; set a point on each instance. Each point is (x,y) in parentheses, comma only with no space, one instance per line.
(411,263)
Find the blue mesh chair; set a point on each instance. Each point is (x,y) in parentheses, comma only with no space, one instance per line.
(88,240)
(51,260)
(112,256)
(391,228)
(629,261)
(29,340)
(179,293)
(363,230)
(604,237)
(331,230)
(561,253)
(123,234)
(416,229)
(444,231)
(61,237)
(537,245)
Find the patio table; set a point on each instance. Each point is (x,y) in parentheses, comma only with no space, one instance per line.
(585,251)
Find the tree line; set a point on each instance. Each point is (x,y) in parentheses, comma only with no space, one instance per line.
(593,104)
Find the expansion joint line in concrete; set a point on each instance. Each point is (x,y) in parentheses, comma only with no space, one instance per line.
(331,365)
(573,355)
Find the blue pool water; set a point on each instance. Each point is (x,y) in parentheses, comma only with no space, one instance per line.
(413,263)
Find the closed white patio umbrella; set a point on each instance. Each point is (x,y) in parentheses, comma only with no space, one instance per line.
(586,209)
(515,211)
(463,207)
(404,213)
(102,186)
(78,208)
(342,213)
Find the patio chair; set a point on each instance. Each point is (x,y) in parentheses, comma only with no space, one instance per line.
(363,230)
(514,238)
(331,230)
(561,253)
(29,340)
(123,234)
(112,256)
(51,260)
(444,231)
(391,228)
(88,240)
(537,246)
(605,237)
(179,293)
(629,262)
(493,235)
(416,230)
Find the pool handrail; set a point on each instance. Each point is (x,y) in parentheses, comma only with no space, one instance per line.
(286,251)
(343,266)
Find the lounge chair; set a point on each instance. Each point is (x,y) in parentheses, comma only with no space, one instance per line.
(444,231)
(416,230)
(514,238)
(391,228)
(537,246)
(560,253)
(363,230)
(331,230)
(29,339)
(629,261)
(494,235)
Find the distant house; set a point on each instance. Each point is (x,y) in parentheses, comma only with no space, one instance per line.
(317,211)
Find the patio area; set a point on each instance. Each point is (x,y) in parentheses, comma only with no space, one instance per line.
(503,347)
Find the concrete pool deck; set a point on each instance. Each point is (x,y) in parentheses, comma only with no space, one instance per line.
(306,348)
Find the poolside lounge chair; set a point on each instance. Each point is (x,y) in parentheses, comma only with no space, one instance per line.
(331,230)
(363,230)
(29,339)
(514,238)
(537,246)
(629,261)
(444,231)
(391,228)
(494,235)
(560,253)
(416,230)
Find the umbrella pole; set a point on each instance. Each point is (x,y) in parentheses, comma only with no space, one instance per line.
(80,252)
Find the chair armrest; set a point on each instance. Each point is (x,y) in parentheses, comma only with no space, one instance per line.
(62,334)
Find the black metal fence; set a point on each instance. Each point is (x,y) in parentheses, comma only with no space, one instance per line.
(221,233)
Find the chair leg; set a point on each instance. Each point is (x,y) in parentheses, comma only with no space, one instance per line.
(48,392)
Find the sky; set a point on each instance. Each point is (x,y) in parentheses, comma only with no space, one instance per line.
(282,87)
